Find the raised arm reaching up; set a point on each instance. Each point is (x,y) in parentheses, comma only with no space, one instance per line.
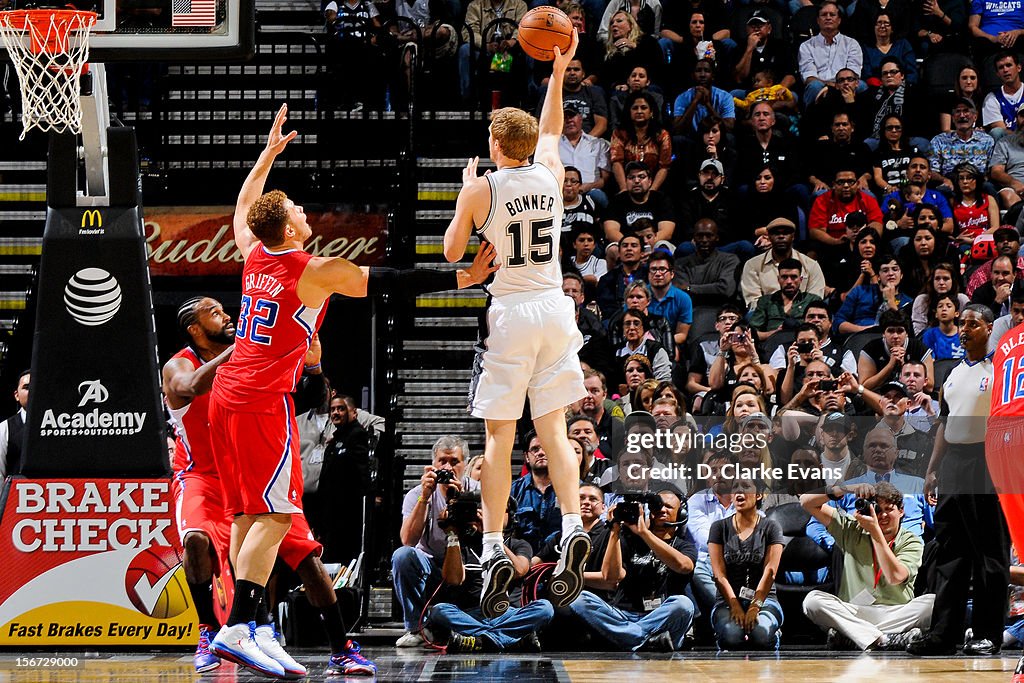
(252,188)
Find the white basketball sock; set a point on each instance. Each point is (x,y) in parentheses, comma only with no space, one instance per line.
(493,542)
(570,523)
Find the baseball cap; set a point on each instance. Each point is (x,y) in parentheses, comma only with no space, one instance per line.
(1006,231)
(966,102)
(893,386)
(713,163)
(758,17)
(759,418)
(781,225)
(635,166)
(836,420)
(331,7)
(570,109)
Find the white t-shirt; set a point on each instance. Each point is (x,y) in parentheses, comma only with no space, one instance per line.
(990,112)
(594,266)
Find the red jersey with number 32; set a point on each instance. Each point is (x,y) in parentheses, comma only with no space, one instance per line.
(1008,383)
(273,333)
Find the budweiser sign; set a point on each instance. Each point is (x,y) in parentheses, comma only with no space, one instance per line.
(200,241)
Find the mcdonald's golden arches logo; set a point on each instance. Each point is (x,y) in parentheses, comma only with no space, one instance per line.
(93,217)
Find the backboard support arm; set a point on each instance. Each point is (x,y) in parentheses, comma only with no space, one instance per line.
(95,120)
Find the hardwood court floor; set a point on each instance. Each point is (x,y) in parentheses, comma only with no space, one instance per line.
(591,667)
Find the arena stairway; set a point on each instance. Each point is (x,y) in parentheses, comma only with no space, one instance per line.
(22,217)
(439,338)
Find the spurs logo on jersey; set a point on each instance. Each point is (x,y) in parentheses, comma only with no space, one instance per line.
(523,225)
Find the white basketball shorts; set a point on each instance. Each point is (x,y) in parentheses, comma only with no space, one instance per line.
(530,348)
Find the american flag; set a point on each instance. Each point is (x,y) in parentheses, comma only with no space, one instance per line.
(193,12)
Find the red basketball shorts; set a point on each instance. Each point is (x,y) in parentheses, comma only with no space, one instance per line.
(257,455)
(298,543)
(199,506)
(1004,453)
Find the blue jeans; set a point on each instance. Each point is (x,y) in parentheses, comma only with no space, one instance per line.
(465,72)
(504,631)
(764,635)
(630,630)
(413,569)
(599,198)
(703,584)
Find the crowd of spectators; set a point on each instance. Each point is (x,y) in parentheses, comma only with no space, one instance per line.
(778,216)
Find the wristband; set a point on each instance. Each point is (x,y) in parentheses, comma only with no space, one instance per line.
(311,367)
(421,499)
(860,389)
(453,541)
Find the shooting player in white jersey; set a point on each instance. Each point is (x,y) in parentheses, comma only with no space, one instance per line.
(531,341)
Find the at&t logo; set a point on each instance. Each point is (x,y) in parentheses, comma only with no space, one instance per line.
(92,296)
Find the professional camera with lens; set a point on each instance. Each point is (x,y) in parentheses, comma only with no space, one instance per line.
(629,510)
(462,511)
(864,505)
(444,476)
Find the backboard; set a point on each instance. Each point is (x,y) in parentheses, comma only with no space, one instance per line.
(165,30)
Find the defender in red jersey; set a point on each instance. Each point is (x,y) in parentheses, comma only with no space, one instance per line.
(284,291)
(203,522)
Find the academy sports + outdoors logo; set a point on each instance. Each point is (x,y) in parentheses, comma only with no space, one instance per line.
(92,296)
(93,422)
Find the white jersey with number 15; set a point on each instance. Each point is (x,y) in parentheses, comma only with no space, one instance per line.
(524,226)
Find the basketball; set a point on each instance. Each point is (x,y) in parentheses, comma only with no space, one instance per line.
(541,29)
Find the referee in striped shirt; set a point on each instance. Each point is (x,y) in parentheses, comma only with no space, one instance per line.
(973,541)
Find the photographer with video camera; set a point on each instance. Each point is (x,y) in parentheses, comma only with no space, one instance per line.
(875,608)
(650,563)
(458,614)
(745,549)
(418,562)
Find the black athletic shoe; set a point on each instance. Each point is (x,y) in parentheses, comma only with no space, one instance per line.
(497,575)
(837,642)
(897,642)
(462,643)
(931,646)
(566,583)
(528,643)
(980,647)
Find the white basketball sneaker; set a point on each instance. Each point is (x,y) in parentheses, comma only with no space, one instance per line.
(236,644)
(266,638)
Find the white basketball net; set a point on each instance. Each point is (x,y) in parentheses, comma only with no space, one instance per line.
(49,49)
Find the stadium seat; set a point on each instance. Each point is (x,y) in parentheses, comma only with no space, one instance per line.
(856,342)
(781,338)
(802,561)
(704,318)
(940,73)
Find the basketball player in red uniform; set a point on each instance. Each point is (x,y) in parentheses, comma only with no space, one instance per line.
(284,292)
(203,524)
(1004,439)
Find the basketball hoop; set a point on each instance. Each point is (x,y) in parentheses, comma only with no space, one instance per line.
(50,52)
